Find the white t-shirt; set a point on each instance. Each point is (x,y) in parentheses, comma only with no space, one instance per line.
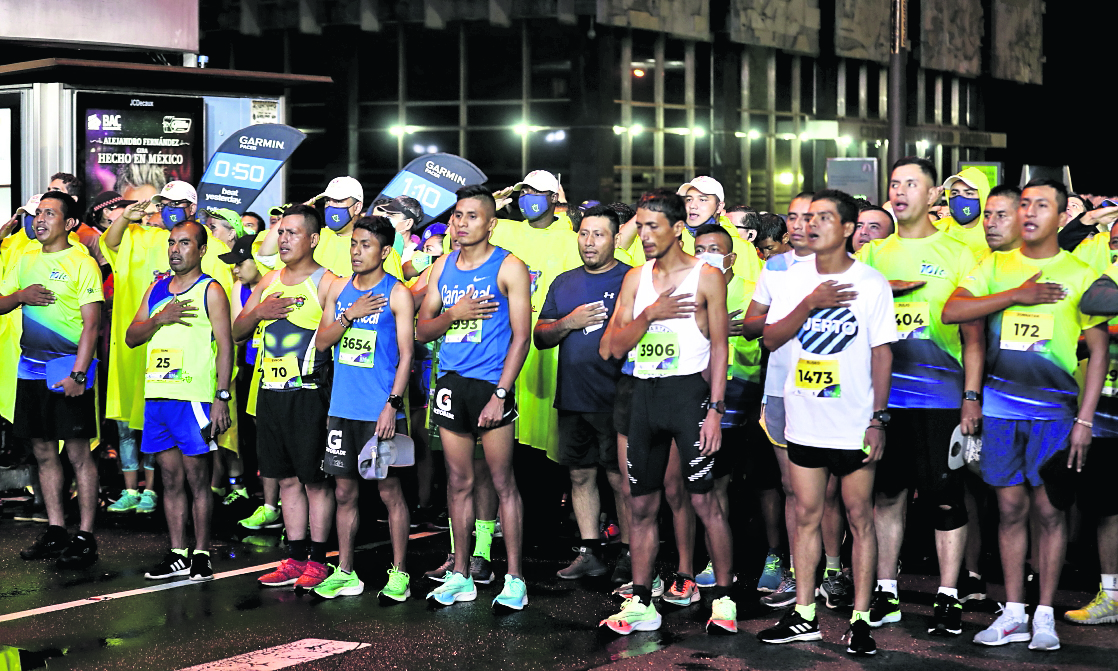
(767,284)
(828,395)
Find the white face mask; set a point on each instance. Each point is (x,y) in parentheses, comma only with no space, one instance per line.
(712,259)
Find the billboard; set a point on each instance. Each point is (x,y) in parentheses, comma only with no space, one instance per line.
(134,144)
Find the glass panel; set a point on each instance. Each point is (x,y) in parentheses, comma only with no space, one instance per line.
(428,78)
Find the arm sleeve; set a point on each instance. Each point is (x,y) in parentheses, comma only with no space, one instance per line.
(1074,233)
(1101,298)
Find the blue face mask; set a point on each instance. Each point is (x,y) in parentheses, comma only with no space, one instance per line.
(964,210)
(336,217)
(533,205)
(172,215)
(29,225)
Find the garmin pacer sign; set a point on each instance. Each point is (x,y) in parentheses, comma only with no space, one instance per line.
(244,164)
(134,144)
(432,180)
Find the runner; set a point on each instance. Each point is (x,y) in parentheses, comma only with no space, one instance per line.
(59,286)
(184,321)
(674,341)
(373,354)
(284,311)
(483,308)
(1030,300)
(835,398)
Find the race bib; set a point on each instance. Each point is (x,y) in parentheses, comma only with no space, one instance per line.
(912,319)
(356,348)
(1110,384)
(1025,331)
(818,377)
(657,354)
(464,331)
(165,365)
(281,373)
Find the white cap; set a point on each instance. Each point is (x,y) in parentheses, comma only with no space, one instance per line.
(176,190)
(540,180)
(32,205)
(706,185)
(341,188)
(956,178)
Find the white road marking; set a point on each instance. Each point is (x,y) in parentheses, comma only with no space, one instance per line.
(281,656)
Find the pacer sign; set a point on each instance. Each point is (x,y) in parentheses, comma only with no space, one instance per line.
(244,164)
(432,180)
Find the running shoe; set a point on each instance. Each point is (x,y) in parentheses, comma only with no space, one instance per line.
(626,590)
(441,573)
(860,639)
(235,496)
(80,552)
(313,575)
(514,595)
(480,570)
(149,500)
(610,532)
(398,587)
(127,502)
(837,590)
(172,566)
(971,589)
(785,594)
(634,616)
(288,571)
(586,563)
(340,583)
(49,545)
(885,608)
(1101,610)
(623,569)
(723,615)
(705,578)
(773,574)
(456,587)
(792,627)
(263,519)
(683,591)
(1005,629)
(1044,633)
(200,568)
(947,616)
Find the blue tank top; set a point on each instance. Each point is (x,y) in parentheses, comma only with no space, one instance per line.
(250,345)
(475,348)
(366,357)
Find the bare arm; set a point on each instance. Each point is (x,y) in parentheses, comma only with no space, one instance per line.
(754,324)
(114,234)
(400,302)
(881,372)
(550,332)
(269,246)
(517,283)
(712,292)
(974,362)
(667,306)
(1098,341)
(35,294)
(217,303)
(331,329)
(622,317)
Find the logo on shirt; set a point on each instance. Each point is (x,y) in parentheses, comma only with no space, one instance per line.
(58,276)
(828,331)
(535,275)
(608,294)
(932,270)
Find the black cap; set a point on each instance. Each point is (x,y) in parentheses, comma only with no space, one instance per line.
(405,205)
(242,250)
(109,199)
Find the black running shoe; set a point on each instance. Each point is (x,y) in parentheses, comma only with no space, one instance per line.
(971,589)
(885,608)
(172,565)
(792,627)
(49,545)
(623,569)
(200,568)
(480,571)
(80,553)
(947,619)
(860,639)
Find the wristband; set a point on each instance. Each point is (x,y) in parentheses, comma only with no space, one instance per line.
(1089,425)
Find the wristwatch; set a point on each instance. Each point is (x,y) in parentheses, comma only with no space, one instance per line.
(501,393)
(882,416)
(223,395)
(717,406)
(396,402)
(972,396)
(78,376)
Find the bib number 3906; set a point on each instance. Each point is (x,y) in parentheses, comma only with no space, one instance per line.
(657,354)
(818,377)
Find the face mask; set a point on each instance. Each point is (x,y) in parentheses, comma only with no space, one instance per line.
(533,205)
(420,261)
(712,259)
(29,225)
(964,210)
(172,215)
(336,217)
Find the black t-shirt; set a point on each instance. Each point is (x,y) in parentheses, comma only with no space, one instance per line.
(585,383)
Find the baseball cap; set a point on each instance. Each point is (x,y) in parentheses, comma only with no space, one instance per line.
(176,190)
(405,205)
(278,210)
(230,216)
(242,250)
(109,200)
(32,204)
(957,178)
(341,188)
(706,185)
(433,230)
(377,455)
(540,180)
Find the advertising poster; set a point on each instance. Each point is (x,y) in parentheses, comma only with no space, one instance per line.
(134,144)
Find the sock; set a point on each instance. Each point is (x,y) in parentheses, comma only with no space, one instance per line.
(591,545)
(643,593)
(202,552)
(888,586)
(834,565)
(1110,585)
(220,491)
(1043,610)
(180,552)
(318,552)
(1016,610)
(270,507)
(949,591)
(806,612)
(624,548)
(450,528)
(484,529)
(718,591)
(345,571)
(775,552)
(298,550)
(863,615)
(976,576)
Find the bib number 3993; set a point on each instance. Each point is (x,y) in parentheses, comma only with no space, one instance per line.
(818,377)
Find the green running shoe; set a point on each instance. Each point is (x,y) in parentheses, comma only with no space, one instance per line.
(339,583)
(514,596)
(634,616)
(263,519)
(129,499)
(234,496)
(148,502)
(397,588)
(456,587)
